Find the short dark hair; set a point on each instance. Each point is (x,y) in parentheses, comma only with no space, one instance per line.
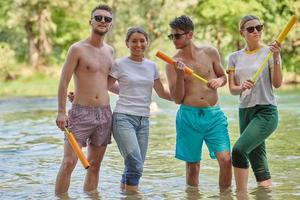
(183,23)
(245,19)
(101,7)
(135,30)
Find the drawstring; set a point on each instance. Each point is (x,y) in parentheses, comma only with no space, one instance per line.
(201,113)
(97,116)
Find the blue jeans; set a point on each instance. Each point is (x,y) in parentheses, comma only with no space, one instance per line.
(131,133)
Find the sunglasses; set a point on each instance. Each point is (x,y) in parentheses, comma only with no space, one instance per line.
(251,29)
(176,35)
(99,18)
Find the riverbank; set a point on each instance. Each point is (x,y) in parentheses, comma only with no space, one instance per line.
(30,86)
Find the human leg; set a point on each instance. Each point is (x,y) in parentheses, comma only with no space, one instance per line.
(217,140)
(256,125)
(125,134)
(67,166)
(95,157)
(192,173)
(225,173)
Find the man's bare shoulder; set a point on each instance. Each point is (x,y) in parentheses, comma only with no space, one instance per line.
(77,46)
(209,50)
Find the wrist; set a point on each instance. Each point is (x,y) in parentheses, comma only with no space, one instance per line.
(276,61)
(61,112)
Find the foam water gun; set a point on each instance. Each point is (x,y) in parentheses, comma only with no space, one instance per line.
(279,40)
(187,70)
(85,163)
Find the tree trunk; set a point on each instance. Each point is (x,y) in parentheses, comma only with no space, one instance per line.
(33,54)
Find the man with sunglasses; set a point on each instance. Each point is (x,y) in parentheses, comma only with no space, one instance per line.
(90,117)
(199,117)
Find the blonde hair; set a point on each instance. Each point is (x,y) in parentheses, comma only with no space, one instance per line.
(245,19)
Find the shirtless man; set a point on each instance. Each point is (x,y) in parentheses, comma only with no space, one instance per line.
(90,117)
(199,117)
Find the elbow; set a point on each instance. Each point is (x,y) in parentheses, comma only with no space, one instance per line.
(277,85)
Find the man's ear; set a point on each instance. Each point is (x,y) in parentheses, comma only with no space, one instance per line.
(190,35)
(90,22)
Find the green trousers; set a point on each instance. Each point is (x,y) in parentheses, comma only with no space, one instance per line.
(256,125)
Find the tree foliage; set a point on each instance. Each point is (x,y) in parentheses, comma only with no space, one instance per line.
(39,32)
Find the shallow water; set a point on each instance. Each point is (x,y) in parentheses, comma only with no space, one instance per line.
(31,151)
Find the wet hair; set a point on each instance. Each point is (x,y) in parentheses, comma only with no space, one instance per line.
(183,23)
(101,7)
(135,30)
(245,19)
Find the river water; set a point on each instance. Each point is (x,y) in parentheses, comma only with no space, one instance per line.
(31,149)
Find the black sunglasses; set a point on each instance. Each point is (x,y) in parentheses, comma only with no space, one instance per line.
(251,29)
(176,35)
(99,18)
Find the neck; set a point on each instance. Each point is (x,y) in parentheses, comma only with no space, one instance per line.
(138,58)
(188,50)
(96,40)
(252,46)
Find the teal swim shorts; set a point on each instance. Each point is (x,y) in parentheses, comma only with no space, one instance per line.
(197,124)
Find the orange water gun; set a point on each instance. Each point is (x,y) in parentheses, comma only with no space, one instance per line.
(187,70)
(85,163)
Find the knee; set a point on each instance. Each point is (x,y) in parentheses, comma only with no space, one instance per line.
(239,157)
(134,163)
(94,165)
(68,164)
(225,161)
(237,152)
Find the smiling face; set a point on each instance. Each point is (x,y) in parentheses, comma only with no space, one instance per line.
(252,31)
(101,21)
(137,44)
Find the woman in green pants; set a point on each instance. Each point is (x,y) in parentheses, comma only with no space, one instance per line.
(258,116)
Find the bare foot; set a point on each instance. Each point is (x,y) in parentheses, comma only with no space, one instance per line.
(266,183)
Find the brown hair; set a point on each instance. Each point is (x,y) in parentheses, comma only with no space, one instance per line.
(245,19)
(101,7)
(183,23)
(135,30)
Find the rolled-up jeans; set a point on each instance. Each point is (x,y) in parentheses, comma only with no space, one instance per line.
(131,133)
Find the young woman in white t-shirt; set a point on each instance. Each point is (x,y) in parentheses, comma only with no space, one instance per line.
(258,116)
(136,76)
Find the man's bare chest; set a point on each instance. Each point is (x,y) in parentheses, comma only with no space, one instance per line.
(95,62)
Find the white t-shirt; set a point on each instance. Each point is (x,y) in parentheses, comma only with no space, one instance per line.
(136,80)
(245,64)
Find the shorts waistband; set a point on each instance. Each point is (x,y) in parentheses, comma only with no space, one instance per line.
(194,108)
(90,108)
